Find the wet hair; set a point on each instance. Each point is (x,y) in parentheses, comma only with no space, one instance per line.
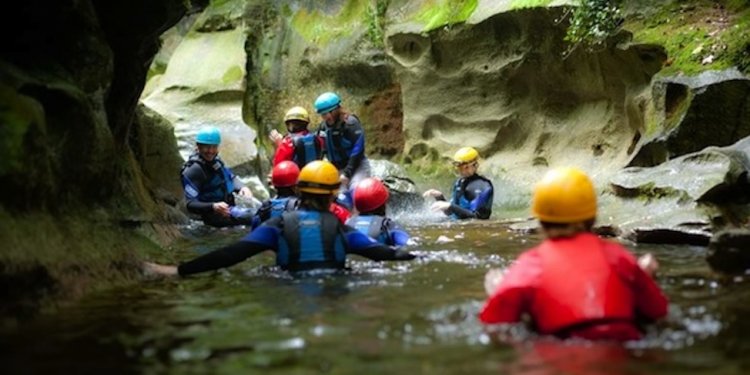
(286,191)
(317,202)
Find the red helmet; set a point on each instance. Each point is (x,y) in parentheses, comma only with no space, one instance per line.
(285,174)
(370,194)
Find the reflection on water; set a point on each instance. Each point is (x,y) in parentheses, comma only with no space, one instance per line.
(406,317)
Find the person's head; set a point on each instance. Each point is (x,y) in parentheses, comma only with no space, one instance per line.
(207,140)
(564,202)
(284,177)
(370,196)
(466,161)
(296,119)
(318,183)
(328,106)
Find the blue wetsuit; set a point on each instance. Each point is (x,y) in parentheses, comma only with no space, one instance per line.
(274,208)
(381,229)
(345,144)
(303,240)
(206,183)
(471,198)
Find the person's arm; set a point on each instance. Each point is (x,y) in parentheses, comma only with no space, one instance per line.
(511,298)
(261,239)
(398,235)
(362,245)
(480,207)
(285,151)
(650,302)
(193,179)
(354,133)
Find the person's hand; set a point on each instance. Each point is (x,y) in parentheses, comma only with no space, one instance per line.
(275,137)
(344,181)
(246,192)
(492,280)
(153,269)
(440,206)
(221,208)
(648,264)
(432,193)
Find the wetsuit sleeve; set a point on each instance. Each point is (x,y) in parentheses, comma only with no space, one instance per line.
(193,179)
(480,206)
(263,214)
(398,235)
(512,297)
(362,245)
(285,150)
(355,134)
(650,302)
(221,258)
(261,239)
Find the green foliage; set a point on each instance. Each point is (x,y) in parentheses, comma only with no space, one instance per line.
(690,34)
(592,22)
(375,20)
(438,13)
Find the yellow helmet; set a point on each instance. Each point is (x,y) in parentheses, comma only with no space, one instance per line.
(564,195)
(465,155)
(319,177)
(297,113)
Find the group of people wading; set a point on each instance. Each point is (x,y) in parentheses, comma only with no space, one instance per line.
(573,284)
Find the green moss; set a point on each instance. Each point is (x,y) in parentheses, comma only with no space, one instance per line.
(233,74)
(693,32)
(437,13)
(17,114)
(517,4)
(320,28)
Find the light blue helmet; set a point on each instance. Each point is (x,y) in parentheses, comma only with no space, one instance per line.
(209,135)
(327,102)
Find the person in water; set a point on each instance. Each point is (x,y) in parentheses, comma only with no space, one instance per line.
(309,238)
(284,180)
(298,145)
(574,284)
(210,185)
(472,194)
(370,197)
(344,140)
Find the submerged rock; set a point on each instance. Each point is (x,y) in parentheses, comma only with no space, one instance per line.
(729,251)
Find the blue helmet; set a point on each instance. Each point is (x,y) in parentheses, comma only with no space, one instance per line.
(209,135)
(327,102)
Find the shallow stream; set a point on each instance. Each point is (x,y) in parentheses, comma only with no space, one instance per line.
(400,317)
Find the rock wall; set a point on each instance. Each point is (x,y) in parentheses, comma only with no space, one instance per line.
(79,179)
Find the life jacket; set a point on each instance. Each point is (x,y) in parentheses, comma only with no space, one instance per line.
(578,287)
(218,186)
(281,205)
(338,146)
(374,226)
(306,149)
(310,240)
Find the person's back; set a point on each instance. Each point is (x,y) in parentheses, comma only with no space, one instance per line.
(370,198)
(573,284)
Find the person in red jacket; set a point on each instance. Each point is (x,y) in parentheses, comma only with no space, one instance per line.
(298,145)
(574,284)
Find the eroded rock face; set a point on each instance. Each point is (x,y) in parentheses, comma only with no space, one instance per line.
(711,109)
(502,86)
(204,84)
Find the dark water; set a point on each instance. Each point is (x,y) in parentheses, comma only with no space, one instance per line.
(410,317)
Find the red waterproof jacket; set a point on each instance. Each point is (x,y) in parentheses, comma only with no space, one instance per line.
(285,151)
(579,286)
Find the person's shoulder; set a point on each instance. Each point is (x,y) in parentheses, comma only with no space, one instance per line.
(352,119)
